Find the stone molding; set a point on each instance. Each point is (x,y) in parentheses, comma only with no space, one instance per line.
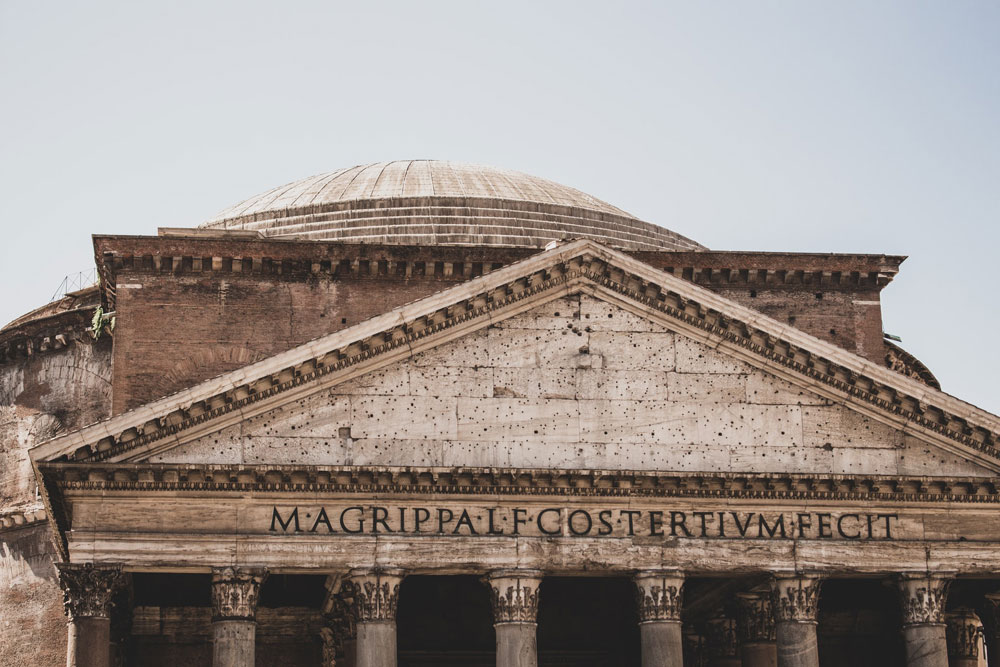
(923,599)
(795,598)
(515,481)
(963,631)
(721,637)
(374,594)
(89,590)
(755,618)
(235,593)
(514,595)
(660,596)
(881,392)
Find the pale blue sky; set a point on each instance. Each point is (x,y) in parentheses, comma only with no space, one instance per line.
(800,126)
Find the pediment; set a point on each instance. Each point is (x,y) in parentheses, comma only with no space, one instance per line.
(579,357)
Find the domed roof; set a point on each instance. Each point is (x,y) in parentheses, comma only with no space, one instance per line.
(428,202)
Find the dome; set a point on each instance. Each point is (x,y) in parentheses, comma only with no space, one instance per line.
(428,202)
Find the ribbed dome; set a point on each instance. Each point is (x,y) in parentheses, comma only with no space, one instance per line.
(427,202)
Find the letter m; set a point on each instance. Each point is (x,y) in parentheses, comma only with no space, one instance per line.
(294,516)
(771,530)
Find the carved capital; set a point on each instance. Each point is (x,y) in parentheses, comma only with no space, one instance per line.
(694,645)
(991,618)
(754,618)
(923,598)
(514,595)
(90,590)
(374,594)
(963,631)
(795,598)
(720,638)
(660,596)
(235,593)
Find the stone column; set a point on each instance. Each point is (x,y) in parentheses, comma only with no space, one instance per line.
(514,596)
(235,592)
(88,592)
(661,599)
(991,621)
(723,651)
(795,603)
(339,635)
(694,648)
(375,597)
(755,630)
(922,599)
(962,631)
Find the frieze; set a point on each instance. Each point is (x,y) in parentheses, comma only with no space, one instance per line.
(235,593)
(923,599)
(89,590)
(795,599)
(601,272)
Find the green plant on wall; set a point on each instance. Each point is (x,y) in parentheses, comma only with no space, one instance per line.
(101,322)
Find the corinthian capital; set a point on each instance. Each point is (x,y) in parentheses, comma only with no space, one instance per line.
(922,599)
(661,595)
(514,595)
(374,594)
(720,638)
(90,590)
(235,592)
(962,633)
(795,598)
(754,618)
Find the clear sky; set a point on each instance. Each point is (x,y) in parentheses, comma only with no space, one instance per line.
(801,126)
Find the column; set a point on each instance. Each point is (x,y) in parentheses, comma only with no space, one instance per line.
(922,599)
(755,630)
(795,603)
(661,596)
(991,621)
(721,642)
(339,635)
(88,592)
(962,630)
(514,596)
(694,648)
(235,592)
(375,597)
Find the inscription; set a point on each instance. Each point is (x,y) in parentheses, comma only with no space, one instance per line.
(578,522)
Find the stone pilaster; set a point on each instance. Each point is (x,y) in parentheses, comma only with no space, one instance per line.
(661,600)
(962,632)
(374,600)
(235,593)
(514,597)
(88,595)
(795,604)
(720,640)
(922,601)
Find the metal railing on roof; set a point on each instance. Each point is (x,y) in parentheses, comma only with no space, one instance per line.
(74,282)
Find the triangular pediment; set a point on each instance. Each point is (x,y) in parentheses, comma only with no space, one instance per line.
(722,369)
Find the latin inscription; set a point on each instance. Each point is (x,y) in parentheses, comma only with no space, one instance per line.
(579,522)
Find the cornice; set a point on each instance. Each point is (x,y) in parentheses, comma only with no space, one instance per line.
(582,265)
(12,519)
(239,479)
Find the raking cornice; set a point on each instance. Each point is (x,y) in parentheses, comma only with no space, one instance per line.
(579,266)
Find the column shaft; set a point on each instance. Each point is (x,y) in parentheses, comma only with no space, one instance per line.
(661,599)
(795,603)
(923,600)
(88,592)
(374,599)
(514,596)
(235,593)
